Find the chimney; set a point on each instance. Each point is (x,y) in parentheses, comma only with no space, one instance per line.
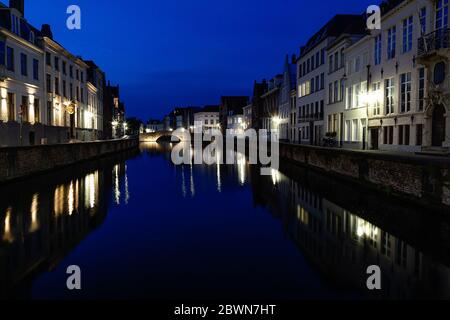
(18,5)
(46,31)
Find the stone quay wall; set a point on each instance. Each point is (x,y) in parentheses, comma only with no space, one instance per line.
(20,162)
(423,177)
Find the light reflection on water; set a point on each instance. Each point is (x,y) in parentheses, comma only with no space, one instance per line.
(339,229)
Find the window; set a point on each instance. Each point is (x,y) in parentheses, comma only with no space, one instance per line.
(378,49)
(400,135)
(317,59)
(32,37)
(77,72)
(355,127)
(318,83)
(15,24)
(391,42)
(48,81)
(349,97)
(57,86)
(36,110)
(64,68)
(24,109)
(342,58)
(322,56)
(56,63)
(64,89)
(441,14)
(82,76)
(35,69)
(336,91)
(421,89)
(357,64)
(376,88)
(404,132)
(407,34)
(48,59)
(336,60)
(11,104)
(71,91)
(388,135)
(313,63)
(357,93)
(2,52)
(71,71)
(423,20)
(419,134)
(342,90)
(389,95)
(348,130)
(312,85)
(10,59)
(405,98)
(23,64)
(82,95)
(78,93)
(322,81)
(49,113)
(330,93)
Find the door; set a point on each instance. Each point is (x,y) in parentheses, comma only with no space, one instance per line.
(374,139)
(438,126)
(72,126)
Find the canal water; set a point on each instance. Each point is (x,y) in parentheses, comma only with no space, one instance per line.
(140,227)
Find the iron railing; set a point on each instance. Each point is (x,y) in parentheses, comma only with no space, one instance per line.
(439,39)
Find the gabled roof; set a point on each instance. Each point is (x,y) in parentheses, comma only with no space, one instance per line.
(339,24)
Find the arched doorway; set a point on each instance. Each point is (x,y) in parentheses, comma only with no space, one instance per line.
(438,126)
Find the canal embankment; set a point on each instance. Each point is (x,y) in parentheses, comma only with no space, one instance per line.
(425,178)
(22,162)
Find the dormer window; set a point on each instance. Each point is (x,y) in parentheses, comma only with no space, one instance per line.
(32,38)
(15,24)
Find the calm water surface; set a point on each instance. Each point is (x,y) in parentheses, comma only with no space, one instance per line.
(140,227)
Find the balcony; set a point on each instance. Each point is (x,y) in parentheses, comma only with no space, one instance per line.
(432,43)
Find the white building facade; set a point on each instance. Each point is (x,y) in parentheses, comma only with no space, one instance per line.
(43,87)
(208,120)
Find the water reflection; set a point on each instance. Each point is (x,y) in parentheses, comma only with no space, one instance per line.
(41,220)
(342,244)
(339,228)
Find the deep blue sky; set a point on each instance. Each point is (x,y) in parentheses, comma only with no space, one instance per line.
(169,53)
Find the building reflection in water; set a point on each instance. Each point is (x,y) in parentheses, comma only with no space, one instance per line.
(120,178)
(37,229)
(342,244)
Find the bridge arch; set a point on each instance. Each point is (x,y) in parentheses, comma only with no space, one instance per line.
(155,136)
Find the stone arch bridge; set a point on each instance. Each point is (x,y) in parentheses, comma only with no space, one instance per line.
(155,136)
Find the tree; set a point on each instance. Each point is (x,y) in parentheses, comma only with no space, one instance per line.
(133,126)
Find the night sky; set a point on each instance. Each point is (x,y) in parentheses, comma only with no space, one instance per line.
(170,53)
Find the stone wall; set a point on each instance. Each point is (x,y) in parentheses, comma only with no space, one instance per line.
(18,162)
(422,177)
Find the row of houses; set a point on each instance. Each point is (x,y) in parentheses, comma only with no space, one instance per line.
(383,89)
(350,87)
(48,94)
